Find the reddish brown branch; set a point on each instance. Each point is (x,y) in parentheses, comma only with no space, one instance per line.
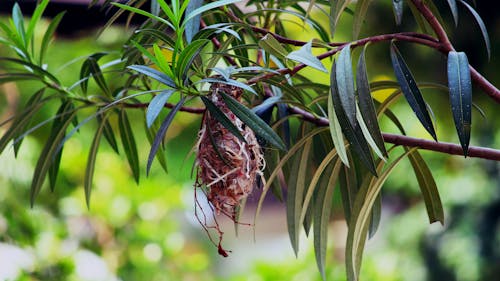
(444,147)
(478,79)
(195,110)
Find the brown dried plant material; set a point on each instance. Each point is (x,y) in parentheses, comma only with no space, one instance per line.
(229,170)
(227,167)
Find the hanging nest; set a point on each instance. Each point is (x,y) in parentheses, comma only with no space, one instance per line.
(228,168)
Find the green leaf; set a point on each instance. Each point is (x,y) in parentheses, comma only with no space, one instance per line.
(359,16)
(360,219)
(108,132)
(304,55)
(90,67)
(49,151)
(295,195)
(482,26)
(193,25)
(143,13)
(366,106)
(410,90)
(348,184)
(154,74)
(352,133)
(336,132)
(156,105)
(222,118)
(336,9)
(35,18)
(208,7)
(397,8)
(188,55)
(322,210)
(345,84)
(459,82)
(368,136)
(253,121)
(272,46)
(160,155)
(49,33)
(454,10)
(66,108)
(428,187)
(32,68)
(89,170)
(160,135)
(17,17)
(129,144)
(375,216)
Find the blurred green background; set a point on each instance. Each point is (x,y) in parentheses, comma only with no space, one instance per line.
(149,231)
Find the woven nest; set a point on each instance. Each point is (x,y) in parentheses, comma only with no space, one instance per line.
(227,166)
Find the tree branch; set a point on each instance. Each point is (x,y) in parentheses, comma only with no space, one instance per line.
(482,82)
(444,147)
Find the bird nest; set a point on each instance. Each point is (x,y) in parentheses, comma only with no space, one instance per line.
(227,167)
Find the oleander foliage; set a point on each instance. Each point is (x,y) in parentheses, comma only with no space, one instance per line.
(318,135)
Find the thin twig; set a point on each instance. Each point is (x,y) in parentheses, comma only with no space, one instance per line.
(444,147)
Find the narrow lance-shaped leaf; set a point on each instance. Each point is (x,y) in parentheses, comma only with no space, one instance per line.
(459,82)
(156,105)
(272,46)
(253,121)
(428,187)
(366,106)
(17,17)
(359,223)
(336,9)
(304,55)
(397,8)
(154,74)
(482,26)
(410,90)
(359,16)
(336,132)
(35,18)
(49,33)
(162,131)
(208,7)
(89,170)
(345,84)
(129,144)
(454,10)
(193,25)
(46,158)
(295,195)
(322,210)
(352,133)
(222,118)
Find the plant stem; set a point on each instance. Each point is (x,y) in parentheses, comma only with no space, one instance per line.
(444,147)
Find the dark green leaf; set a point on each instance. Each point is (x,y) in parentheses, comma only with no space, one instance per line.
(160,135)
(90,67)
(366,106)
(482,26)
(253,121)
(129,144)
(188,55)
(322,210)
(48,154)
(459,82)
(229,82)
(143,13)
(89,170)
(397,8)
(295,195)
(348,185)
(35,18)
(345,84)
(108,132)
(336,132)
(23,120)
(410,90)
(33,68)
(222,118)
(156,105)
(375,216)
(359,16)
(428,187)
(353,134)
